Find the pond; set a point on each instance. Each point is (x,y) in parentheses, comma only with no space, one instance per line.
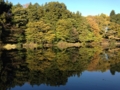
(54,69)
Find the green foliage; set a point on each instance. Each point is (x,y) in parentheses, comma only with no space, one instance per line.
(66,30)
(114,17)
(54,11)
(4,11)
(5,6)
(53,22)
(85,34)
(118,18)
(38,32)
(114,30)
(20,16)
(5,17)
(35,12)
(103,23)
(112,13)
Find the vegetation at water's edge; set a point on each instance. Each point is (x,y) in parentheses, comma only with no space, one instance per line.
(52,23)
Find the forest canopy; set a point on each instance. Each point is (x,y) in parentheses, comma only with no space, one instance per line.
(52,22)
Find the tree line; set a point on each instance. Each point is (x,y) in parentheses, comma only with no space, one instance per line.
(52,22)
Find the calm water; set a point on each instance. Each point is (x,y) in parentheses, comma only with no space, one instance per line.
(53,69)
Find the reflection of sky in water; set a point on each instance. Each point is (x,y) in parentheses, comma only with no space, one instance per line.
(87,81)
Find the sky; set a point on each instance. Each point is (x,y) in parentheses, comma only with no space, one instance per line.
(86,7)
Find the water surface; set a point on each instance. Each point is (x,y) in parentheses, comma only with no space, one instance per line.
(53,69)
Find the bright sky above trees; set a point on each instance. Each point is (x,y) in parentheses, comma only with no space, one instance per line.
(86,7)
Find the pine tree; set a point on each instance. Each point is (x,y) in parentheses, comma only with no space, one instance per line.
(112,13)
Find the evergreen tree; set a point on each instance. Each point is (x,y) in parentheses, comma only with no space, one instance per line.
(19,16)
(35,12)
(112,13)
(5,18)
(112,16)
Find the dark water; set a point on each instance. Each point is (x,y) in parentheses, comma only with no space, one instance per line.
(53,69)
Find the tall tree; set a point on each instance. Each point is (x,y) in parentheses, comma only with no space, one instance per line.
(55,11)
(95,28)
(5,18)
(66,30)
(112,16)
(19,16)
(114,30)
(112,13)
(35,12)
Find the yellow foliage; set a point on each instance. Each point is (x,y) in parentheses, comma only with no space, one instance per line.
(93,25)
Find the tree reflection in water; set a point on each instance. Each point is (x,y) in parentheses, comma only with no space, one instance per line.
(53,66)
